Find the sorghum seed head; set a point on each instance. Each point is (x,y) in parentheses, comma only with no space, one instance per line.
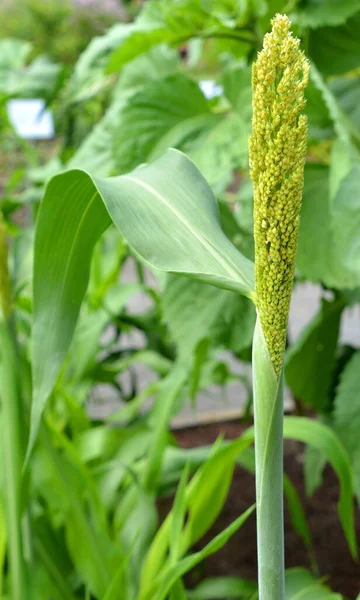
(277,156)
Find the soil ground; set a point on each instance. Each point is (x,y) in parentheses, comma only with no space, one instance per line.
(238,557)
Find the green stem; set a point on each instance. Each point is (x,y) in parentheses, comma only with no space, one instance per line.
(268,413)
(13,458)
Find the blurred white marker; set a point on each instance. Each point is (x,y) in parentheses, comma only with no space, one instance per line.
(30,119)
(210,89)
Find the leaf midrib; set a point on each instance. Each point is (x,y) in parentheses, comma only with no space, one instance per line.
(229,268)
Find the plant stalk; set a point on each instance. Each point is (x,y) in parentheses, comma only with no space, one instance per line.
(268,426)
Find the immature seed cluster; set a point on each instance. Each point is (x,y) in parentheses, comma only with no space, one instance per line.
(277,156)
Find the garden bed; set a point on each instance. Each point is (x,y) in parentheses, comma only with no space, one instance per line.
(238,557)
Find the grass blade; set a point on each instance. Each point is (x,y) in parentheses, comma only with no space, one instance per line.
(13,457)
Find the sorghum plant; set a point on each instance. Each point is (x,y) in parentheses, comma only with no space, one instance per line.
(277,157)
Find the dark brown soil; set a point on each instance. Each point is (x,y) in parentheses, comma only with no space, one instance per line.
(238,557)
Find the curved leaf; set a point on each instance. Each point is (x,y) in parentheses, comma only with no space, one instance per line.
(347,415)
(318,13)
(300,584)
(336,49)
(322,438)
(167,213)
(224,588)
(152,113)
(310,362)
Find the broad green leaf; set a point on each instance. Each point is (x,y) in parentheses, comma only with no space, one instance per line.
(342,125)
(158,63)
(313,255)
(347,414)
(193,311)
(225,588)
(310,361)
(215,153)
(187,134)
(346,222)
(237,220)
(66,234)
(328,253)
(201,357)
(160,22)
(96,152)
(208,139)
(150,114)
(39,79)
(299,583)
(169,216)
(13,53)
(336,49)
(324,439)
(340,165)
(347,92)
(17,78)
(236,80)
(318,13)
(89,76)
(151,28)
(317,112)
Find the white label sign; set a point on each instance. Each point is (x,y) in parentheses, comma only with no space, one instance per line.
(30,119)
(210,89)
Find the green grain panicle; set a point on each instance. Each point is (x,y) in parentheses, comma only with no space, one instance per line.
(277,155)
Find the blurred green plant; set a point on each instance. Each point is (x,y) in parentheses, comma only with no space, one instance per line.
(46,26)
(134,92)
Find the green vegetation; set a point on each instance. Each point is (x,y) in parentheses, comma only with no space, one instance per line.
(148,173)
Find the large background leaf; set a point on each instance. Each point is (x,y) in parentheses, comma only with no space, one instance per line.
(153,112)
(347,414)
(167,213)
(336,49)
(311,359)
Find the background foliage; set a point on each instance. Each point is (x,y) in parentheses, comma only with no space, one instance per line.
(87,503)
